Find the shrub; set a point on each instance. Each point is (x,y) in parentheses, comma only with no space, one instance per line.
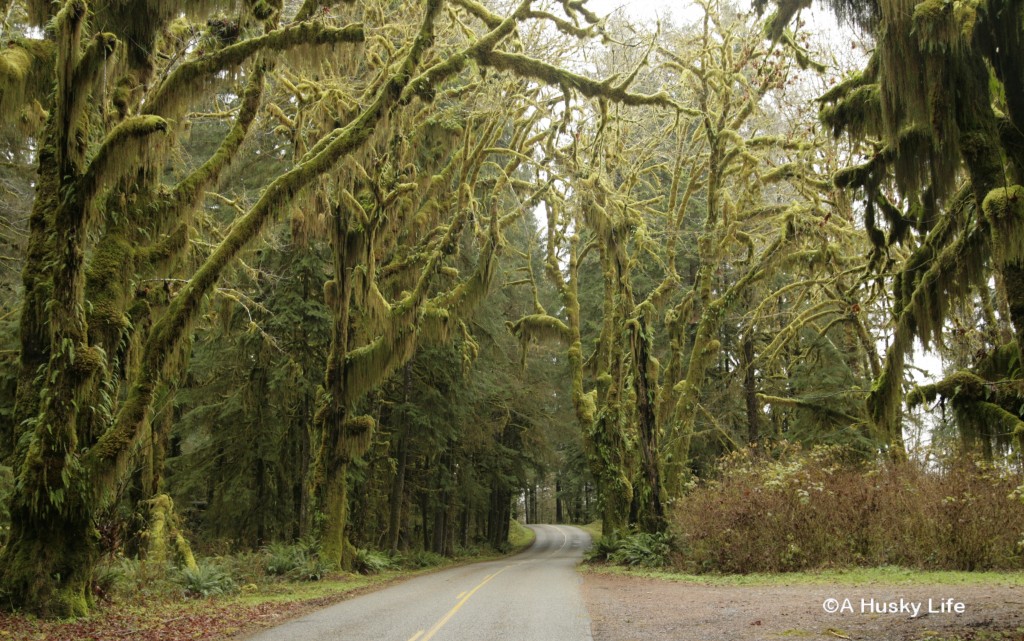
(422,559)
(110,577)
(299,561)
(643,549)
(603,548)
(810,510)
(283,558)
(370,562)
(638,549)
(206,580)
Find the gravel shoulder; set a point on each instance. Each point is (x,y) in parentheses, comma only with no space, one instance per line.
(632,608)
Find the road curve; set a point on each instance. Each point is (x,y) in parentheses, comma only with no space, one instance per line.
(533,596)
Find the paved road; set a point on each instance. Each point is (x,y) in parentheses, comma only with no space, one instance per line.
(533,596)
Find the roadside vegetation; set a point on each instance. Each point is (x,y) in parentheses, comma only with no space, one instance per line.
(224,596)
(815,510)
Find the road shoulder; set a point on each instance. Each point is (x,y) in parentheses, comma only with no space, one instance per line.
(626,607)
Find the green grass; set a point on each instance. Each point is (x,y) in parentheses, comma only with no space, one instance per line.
(287,591)
(593,529)
(520,537)
(856,576)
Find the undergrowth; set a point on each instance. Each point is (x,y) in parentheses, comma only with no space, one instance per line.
(809,510)
(640,549)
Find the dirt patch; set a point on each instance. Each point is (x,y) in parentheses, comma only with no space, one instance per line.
(626,608)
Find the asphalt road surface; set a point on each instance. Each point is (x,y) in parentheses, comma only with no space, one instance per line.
(533,596)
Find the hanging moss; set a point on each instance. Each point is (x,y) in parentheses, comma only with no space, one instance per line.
(858,112)
(26,75)
(944,25)
(175,94)
(187,194)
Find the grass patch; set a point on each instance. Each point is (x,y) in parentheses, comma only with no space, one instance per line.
(852,577)
(520,537)
(288,591)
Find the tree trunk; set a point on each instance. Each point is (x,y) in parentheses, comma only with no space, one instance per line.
(334,545)
(48,562)
(750,391)
(652,513)
(558,500)
(397,498)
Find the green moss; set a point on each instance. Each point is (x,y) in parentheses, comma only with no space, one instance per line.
(1004,209)
(357,435)
(539,327)
(26,74)
(777,22)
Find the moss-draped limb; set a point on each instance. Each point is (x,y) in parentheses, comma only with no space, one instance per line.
(532,68)
(540,327)
(366,367)
(187,194)
(967,385)
(1004,209)
(87,74)
(173,95)
(989,410)
(127,248)
(120,153)
(952,272)
(819,408)
(67,28)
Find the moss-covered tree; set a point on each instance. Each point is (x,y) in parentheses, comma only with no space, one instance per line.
(937,112)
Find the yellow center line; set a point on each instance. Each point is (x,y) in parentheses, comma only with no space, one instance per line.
(416,636)
(462,602)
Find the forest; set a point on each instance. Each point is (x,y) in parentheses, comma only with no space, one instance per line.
(377,279)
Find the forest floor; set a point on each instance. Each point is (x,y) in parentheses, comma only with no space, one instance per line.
(637,606)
